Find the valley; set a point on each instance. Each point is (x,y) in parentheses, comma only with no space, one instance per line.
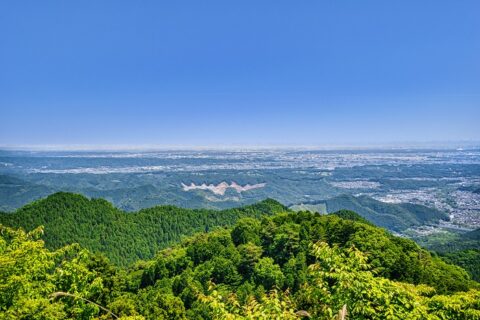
(443,179)
(168,235)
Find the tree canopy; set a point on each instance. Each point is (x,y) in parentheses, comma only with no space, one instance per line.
(123,237)
(283,266)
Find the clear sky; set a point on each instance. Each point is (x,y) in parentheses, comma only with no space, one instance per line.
(209,73)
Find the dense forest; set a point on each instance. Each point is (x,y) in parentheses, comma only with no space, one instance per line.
(462,249)
(128,236)
(123,237)
(448,242)
(271,264)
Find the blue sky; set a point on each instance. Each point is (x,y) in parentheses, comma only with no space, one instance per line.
(208,73)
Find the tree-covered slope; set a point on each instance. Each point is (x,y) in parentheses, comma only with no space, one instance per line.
(15,192)
(285,266)
(395,217)
(351,215)
(449,241)
(472,235)
(462,249)
(124,237)
(468,259)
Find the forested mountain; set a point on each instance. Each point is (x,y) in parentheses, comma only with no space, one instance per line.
(285,266)
(396,217)
(124,237)
(472,235)
(462,249)
(15,192)
(469,259)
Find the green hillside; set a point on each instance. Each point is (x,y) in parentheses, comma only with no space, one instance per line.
(395,217)
(351,215)
(124,237)
(462,249)
(468,259)
(286,266)
(472,235)
(449,241)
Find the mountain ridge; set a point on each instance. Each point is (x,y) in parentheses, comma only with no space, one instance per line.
(123,236)
(395,217)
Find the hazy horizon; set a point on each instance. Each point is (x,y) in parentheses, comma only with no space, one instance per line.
(334,147)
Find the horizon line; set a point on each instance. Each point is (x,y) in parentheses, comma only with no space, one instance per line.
(179,147)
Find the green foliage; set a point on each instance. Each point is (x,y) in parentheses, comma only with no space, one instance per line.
(344,277)
(351,215)
(462,249)
(123,237)
(30,275)
(246,230)
(268,274)
(283,266)
(467,259)
(275,305)
(250,254)
(472,235)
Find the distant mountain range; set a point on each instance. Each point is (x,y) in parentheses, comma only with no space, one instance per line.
(16,192)
(395,217)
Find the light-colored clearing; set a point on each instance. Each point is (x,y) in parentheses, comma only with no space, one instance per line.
(222,187)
